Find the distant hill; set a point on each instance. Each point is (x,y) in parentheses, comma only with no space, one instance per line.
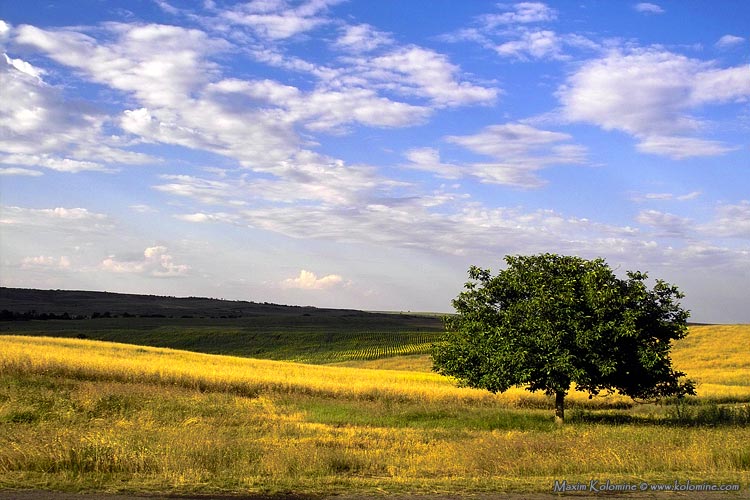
(88,304)
(240,328)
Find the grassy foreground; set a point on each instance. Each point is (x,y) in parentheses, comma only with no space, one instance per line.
(78,414)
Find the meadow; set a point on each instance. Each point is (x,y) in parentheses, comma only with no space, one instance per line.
(80,414)
(306,339)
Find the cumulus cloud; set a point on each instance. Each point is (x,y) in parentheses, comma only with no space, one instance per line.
(362,38)
(156,262)
(534,44)
(39,127)
(650,93)
(277,20)
(309,281)
(134,60)
(321,109)
(260,123)
(421,72)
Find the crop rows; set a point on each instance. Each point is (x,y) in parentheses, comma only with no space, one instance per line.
(367,353)
(365,345)
(318,343)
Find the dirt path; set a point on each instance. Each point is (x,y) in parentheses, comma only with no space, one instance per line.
(53,495)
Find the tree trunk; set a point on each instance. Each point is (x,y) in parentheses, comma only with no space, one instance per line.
(559,407)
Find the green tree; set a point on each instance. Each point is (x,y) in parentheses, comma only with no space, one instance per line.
(548,321)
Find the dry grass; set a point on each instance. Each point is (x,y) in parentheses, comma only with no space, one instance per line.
(718,358)
(93,415)
(83,359)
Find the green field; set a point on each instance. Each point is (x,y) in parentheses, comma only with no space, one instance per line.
(82,414)
(302,339)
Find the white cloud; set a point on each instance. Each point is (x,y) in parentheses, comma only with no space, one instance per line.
(39,127)
(203,217)
(508,140)
(328,109)
(4,30)
(257,122)
(143,209)
(24,215)
(156,262)
(423,72)
(520,151)
(306,176)
(309,281)
(210,192)
(648,8)
(731,221)
(727,41)
(649,93)
(276,20)
(46,262)
(321,109)
(679,148)
(644,92)
(668,196)
(511,35)
(20,171)
(362,38)
(521,13)
(428,160)
(721,85)
(688,196)
(705,256)
(24,67)
(65,223)
(134,61)
(665,223)
(437,226)
(53,163)
(535,44)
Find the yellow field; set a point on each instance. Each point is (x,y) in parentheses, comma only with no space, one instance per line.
(84,359)
(78,414)
(718,358)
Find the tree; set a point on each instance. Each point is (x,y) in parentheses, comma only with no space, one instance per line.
(548,321)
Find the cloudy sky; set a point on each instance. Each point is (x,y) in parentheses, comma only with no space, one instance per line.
(365,153)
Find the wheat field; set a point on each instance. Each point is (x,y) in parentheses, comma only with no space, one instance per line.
(85,415)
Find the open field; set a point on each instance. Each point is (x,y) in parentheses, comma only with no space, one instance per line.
(297,338)
(240,328)
(77,414)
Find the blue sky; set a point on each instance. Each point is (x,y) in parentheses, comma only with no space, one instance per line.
(365,154)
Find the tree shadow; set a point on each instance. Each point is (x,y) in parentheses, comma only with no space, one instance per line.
(679,415)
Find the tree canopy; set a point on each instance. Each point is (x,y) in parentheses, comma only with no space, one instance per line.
(548,321)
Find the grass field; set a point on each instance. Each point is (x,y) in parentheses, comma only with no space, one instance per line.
(291,338)
(80,414)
